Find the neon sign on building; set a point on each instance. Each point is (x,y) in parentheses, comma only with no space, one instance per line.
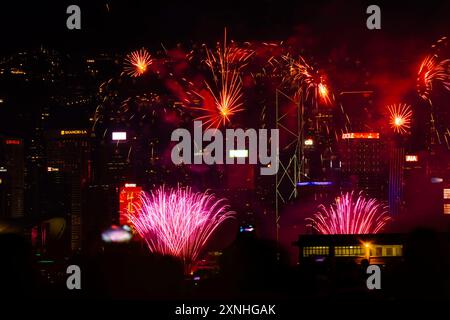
(361,135)
(129,198)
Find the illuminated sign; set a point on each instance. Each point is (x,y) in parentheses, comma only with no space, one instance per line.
(129,198)
(119,136)
(411,158)
(3,169)
(51,169)
(12,142)
(309,142)
(314,183)
(361,135)
(238,153)
(436,180)
(73,132)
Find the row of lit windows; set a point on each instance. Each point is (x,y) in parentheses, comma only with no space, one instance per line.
(348,251)
(446,193)
(354,251)
(446,208)
(386,251)
(316,251)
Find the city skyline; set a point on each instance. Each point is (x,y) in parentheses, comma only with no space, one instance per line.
(289,134)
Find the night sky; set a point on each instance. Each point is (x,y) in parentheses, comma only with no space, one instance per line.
(128,24)
(331,33)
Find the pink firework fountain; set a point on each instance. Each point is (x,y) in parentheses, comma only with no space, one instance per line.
(350,214)
(178,222)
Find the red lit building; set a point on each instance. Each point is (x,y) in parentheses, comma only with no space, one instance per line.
(129,198)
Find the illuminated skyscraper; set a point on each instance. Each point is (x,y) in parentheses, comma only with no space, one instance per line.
(68,152)
(363,163)
(12,168)
(396,180)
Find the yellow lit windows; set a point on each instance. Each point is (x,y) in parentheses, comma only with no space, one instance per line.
(446,208)
(446,193)
(387,251)
(316,251)
(348,251)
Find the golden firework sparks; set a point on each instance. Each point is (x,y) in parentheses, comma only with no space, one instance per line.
(400,117)
(137,62)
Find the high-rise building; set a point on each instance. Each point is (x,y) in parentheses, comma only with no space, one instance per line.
(363,163)
(12,184)
(113,159)
(68,152)
(438,173)
(446,197)
(396,179)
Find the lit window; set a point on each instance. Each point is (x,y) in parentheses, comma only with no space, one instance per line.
(379,251)
(446,208)
(446,193)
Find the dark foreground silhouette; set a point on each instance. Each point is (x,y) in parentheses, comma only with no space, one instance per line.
(249,268)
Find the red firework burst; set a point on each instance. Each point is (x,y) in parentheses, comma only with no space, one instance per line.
(432,70)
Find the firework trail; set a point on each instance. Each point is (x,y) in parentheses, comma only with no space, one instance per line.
(178,222)
(400,117)
(435,70)
(350,215)
(225,64)
(307,80)
(432,70)
(137,62)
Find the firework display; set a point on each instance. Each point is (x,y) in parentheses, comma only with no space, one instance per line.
(432,71)
(400,117)
(137,62)
(178,222)
(350,214)
(225,64)
(209,151)
(308,81)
